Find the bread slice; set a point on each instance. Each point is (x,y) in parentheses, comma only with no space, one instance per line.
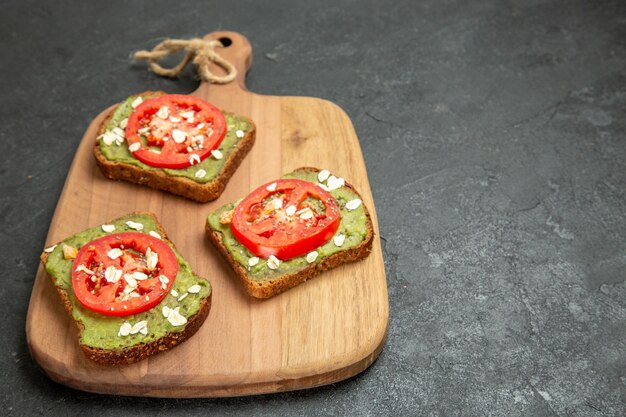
(276,283)
(138,351)
(159,179)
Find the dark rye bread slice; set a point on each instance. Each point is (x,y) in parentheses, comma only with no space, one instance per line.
(141,350)
(158,179)
(274,286)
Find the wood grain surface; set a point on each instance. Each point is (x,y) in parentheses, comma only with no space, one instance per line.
(325,330)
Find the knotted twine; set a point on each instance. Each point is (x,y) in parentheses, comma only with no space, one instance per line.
(200,51)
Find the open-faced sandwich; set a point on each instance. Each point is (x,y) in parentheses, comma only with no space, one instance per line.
(127,288)
(173,142)
(291,229)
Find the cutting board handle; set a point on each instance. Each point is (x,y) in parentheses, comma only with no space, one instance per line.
(238,51)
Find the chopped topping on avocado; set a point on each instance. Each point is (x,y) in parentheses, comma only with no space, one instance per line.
(136,102)
(134,225)
(112,274)
(108,228)
(129,292)
(125,329)
(194,289)
(273,262)
(143,130)
(174,293)
(182,297)
(311,256)
(353,204)
(179,136)
(50,249)
(132,283)
(333,183)
(83,268)
(275,204)
(271,187)
(163,113)
(115,253)
(306,213)
(123,123)
(139,276)
(339,239)
(200,173)
(164,280)
(152,258)
(197,140)
(188,114)
(194,159)
(118,132)
(109,138)
(323,175)
(134,147)
(154,234)
(217,154)
(226,216)
(253,261)
(140,327)
(175,318)
(239,134)
(166,311)
(115,135)
(69,252)
(129,289)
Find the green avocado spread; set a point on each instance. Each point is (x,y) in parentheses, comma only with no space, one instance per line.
(119,151)
(102,331)
(353,225)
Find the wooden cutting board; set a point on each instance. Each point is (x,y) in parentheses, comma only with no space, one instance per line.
(328,329)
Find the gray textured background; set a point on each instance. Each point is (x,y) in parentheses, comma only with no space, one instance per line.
(493,133)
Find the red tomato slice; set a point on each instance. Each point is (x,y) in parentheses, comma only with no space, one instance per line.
(185,128)
(118,275)
(290,219)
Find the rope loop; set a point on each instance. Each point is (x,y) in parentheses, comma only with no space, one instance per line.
(201,52)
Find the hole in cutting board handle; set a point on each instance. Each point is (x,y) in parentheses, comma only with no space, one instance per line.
(226,41)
